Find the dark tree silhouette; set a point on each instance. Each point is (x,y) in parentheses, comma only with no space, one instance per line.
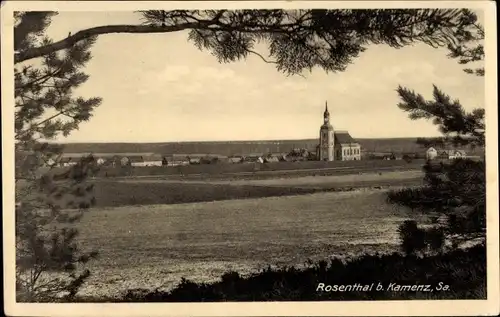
(456,189)
(297,39)
(44,108)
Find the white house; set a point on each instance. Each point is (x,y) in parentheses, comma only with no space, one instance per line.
(456,154)
(152,160)
(452,154)
(271,159)
(235,159)
(125,161)
(67,161)
(100,161)
(431,153)
(50,162)
(253,159)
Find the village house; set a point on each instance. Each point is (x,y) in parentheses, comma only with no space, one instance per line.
(142,160)
(136,161)
(68,161)
(194,160)
(51,162)
(152,160)
(235,159)
(431,153)
(100,161)
(452,154)
(271,158)
(175,160)
(253,158)
(125,161)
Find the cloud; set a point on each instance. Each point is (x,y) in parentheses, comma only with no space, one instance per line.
(173,73)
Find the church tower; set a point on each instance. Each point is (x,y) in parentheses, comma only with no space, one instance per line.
(326,138)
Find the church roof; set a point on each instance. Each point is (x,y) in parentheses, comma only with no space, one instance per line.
(343,137)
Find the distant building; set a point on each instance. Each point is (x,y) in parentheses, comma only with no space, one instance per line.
(100,161)
(175,160)
(125,161)
(336,145)
(451,154)
(152,160)
(431,153)
(271,159)
(253,159)
(51,162)
(67,161)
(235,159)
(456,154)
(136,161)
(194,160)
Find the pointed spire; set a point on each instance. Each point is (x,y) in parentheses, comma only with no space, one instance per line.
(326,106)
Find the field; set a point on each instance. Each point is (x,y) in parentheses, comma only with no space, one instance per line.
(154,246)
(152,231)
(147,191)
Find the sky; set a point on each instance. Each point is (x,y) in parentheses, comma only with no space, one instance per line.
(161,88)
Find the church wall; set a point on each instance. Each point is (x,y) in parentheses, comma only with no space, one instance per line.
(326,145)
(348,152)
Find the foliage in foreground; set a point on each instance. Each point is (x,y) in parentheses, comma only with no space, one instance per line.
(464,271)
(454,191)
(48,260)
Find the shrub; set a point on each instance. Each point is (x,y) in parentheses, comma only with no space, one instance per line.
(463,270)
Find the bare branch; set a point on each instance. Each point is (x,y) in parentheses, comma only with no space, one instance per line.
(262,57)
(108,29)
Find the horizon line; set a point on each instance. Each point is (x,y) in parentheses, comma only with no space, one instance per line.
(225,141)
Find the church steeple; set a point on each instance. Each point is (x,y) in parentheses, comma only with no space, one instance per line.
(326,114)
(326,138)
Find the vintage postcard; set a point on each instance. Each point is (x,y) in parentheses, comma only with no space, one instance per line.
(294,158)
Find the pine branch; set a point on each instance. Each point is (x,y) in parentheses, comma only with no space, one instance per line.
(100,30)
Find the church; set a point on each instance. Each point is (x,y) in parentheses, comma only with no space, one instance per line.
(336,145)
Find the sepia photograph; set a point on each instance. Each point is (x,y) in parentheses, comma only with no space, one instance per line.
(297,158)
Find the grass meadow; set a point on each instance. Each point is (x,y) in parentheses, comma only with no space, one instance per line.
(155,246)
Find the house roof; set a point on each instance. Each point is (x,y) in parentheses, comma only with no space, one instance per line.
(135,159)
(254,155)
(452,152)
(153,157)
(343,137)
(252,158)
(271,159)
